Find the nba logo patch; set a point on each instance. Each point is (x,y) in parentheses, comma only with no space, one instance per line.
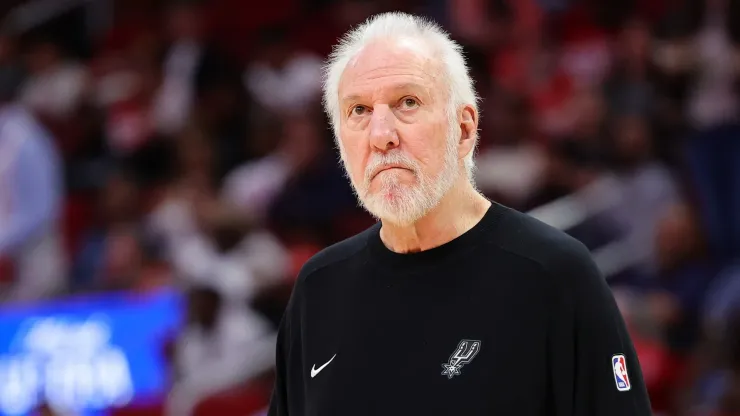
(619,365)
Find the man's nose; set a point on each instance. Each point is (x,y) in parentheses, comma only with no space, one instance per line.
(383,135)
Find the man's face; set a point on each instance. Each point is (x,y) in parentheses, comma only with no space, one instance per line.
(397,143)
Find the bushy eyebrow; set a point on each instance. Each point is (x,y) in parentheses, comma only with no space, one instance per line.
(411,87)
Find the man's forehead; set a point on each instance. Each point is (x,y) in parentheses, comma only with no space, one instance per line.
(396,64)
(392,49)
(388,86)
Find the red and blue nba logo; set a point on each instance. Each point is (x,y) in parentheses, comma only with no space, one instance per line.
(619,365)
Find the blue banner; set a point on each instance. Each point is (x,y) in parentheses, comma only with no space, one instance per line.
(86,354)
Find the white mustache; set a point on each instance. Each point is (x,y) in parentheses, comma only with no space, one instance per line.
(379,160)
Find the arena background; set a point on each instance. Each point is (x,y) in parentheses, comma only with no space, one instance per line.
(166,169)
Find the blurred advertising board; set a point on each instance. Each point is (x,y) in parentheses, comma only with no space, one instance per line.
(86,354)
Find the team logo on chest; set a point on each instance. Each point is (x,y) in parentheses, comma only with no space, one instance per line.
(464,353)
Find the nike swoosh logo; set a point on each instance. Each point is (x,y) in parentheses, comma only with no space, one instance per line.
(315,370)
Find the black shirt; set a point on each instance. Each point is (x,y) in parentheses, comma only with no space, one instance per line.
(511,318)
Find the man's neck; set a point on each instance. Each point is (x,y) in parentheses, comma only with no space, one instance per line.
(458,211)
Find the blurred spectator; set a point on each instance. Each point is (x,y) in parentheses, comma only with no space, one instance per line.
(665,312)
(511,164)
(316,198)
(192,66)
(56,85)
(210,245)
(253,186)
(174,99)
(585,53)
(645,186)
(129,124)
(109,256)
(30,205)
(216,350)
(705,46)
(712,157)
(529,65)
(684,275)
(229,254)
(282,78)
(220,114)
(173,217)
(585,142)
(630,86)
(115,68)
(714,98)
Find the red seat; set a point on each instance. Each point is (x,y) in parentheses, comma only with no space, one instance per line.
(76,218)
(242,401)
(150,410)
(299,255)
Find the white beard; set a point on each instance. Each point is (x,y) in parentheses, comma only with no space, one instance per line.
(404,204)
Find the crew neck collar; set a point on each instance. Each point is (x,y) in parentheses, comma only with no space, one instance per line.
(406,262)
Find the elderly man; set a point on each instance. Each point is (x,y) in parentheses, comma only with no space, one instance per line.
(451,304)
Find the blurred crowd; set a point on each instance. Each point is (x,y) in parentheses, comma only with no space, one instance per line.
(184,145)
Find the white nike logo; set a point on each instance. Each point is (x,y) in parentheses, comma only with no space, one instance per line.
(315,371)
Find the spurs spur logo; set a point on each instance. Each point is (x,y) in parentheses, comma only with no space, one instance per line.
(464,353)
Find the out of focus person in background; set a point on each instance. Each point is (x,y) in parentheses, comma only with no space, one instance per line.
(511,166)
(215,351)
(282,79)
(709,55)
(32,260)
(630,86)
(644,184)
(194,179)
(182,62)
(313,201)
(56,84)
(296,143)
(109,251)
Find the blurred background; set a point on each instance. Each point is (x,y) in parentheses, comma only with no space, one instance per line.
(166,169)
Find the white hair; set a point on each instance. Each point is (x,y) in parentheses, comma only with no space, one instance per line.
(397,25)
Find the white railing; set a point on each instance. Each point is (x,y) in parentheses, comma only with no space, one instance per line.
(569,211)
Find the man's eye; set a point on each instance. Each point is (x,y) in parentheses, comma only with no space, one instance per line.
(410,103)
(359,110)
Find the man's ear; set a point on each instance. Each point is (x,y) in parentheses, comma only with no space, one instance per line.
(469,130)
